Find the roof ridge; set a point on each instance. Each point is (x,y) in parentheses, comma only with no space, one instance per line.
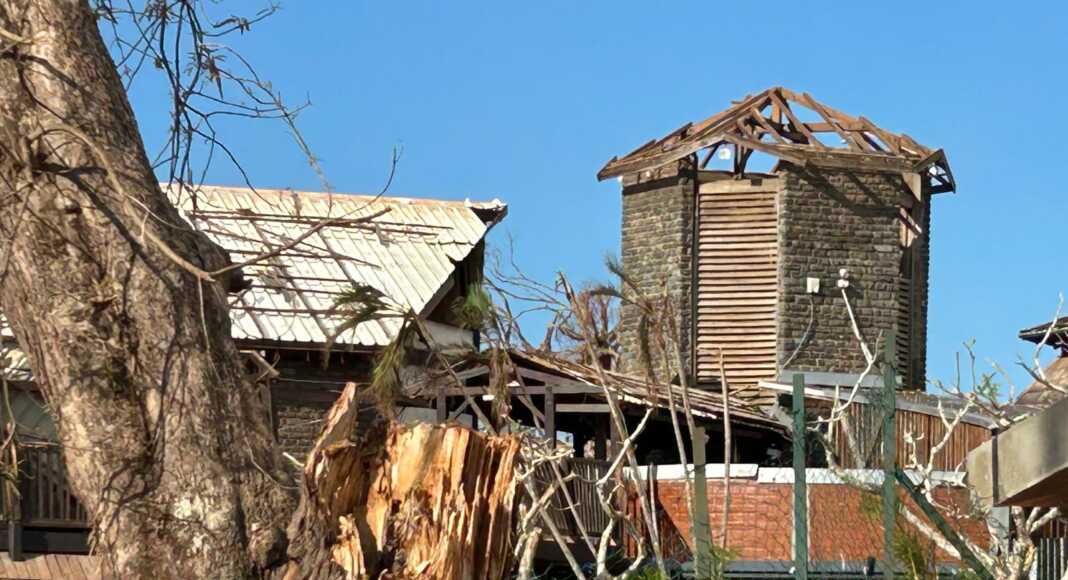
(407,200)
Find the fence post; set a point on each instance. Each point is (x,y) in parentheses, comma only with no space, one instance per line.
(702,528)
(889,399)
(800,483)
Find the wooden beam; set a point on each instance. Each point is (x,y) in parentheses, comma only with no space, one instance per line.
(578,389)
(846,136)
(769,148)
(891,141)
(582,408)
(796,123)
(441,407)
(766,125)
(851,159)
(554,380)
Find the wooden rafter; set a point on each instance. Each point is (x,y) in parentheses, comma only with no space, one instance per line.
(771,113)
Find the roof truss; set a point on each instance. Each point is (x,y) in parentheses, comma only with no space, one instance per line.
(770,122)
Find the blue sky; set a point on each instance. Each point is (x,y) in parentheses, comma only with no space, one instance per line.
(525,102)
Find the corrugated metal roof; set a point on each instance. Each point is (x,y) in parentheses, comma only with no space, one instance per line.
(408,254)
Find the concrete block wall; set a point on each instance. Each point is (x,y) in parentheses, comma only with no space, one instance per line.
(657,240)
(831,219)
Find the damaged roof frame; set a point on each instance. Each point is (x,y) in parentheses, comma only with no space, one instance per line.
(768,123)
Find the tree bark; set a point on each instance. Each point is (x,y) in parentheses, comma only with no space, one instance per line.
(165,440)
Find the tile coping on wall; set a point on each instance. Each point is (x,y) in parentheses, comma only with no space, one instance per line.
(786,474)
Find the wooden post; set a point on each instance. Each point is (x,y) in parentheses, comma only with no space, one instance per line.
(800,482)
(14,540)
(441,407)
(600,437)
(889,456)
(550,415)
(702,527)
(615,439)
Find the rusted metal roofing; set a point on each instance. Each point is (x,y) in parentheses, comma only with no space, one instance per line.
(408,253)
(770,122)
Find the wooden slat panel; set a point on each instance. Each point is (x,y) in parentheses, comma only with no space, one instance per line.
(737,283)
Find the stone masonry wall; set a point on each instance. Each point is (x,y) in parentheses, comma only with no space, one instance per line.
(297,422)
(304,392)
(832,219)
(657,242)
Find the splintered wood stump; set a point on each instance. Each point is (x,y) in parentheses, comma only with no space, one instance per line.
(383,500)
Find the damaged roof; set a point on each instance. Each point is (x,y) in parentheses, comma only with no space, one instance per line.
(770,122)
(408,252)
(631,390)
(1056,330)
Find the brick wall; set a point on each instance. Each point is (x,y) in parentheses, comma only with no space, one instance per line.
(828,220)
(657,234)
(760,522)
(841,527)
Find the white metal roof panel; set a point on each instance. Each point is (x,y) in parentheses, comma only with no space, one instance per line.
(408,253)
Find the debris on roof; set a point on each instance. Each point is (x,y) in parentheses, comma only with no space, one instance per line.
(769,123)
(407,253)
(632,390)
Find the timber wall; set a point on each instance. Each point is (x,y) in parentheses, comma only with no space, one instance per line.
(737,281)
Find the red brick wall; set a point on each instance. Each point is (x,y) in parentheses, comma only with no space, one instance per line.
(760,525)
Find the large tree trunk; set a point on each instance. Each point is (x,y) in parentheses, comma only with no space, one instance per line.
(382,500)
(165,441)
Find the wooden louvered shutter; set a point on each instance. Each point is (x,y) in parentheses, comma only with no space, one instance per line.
(737,281)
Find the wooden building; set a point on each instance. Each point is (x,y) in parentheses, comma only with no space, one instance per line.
(417,255)
(757,256)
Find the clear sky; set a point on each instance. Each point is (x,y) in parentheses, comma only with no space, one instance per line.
(525,101)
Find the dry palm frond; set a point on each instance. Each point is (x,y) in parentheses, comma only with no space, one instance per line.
(358,304)
(473,309)
(386,381)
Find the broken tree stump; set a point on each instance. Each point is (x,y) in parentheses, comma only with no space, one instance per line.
(384,500)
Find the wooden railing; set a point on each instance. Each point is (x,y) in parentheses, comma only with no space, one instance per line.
(583,492)
(46,497)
